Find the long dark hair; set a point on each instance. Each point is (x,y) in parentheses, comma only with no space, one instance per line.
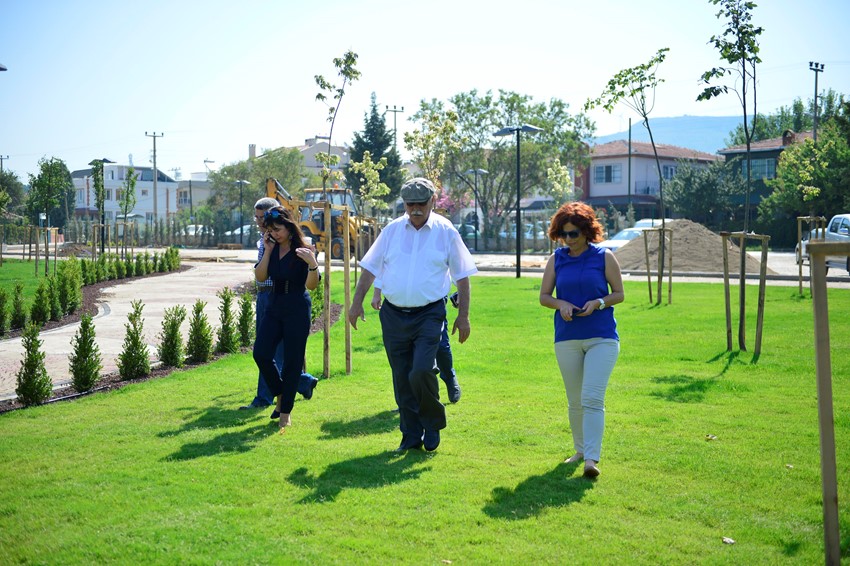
(283,218)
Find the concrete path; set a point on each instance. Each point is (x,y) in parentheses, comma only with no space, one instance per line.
(203,281)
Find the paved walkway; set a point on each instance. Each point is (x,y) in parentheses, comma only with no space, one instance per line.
(212,270)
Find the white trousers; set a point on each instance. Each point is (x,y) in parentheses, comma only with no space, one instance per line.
(586,366)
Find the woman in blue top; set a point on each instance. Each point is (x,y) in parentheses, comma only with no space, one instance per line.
(587,282)
(293,268)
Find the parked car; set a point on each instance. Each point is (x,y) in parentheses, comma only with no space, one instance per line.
(650,222)
(837,230)
(621,238)
(197,230)
(528,232)
(246,229)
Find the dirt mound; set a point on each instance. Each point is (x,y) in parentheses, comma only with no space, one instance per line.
(696,249)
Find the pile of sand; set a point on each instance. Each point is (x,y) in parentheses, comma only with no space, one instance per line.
(695,249)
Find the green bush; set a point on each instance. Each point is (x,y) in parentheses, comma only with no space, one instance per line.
(246,320)
(4,311)
(85,359)
(84,270)
(163,263)
(172,352)
(133,361)
(317,296)
(129,267)
(40,308)
(120,268)
(150,263)
(227,337)
(70,284)
(101,269)
(140,265)
(33,383)
(200,343)
(56,312)
(19,313)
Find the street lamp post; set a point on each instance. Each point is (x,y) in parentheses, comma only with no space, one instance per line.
(817,68)
(241,223)
(506,132)
(476,172)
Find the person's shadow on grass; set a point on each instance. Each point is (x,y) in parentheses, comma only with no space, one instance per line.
(380,423)
(220,416)
(528,499)
(368,472)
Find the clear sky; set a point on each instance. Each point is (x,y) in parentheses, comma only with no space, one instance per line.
(86,79)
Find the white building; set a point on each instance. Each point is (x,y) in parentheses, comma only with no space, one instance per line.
(161,205)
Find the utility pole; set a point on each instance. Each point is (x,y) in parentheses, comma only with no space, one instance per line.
(1,162)
(817,68)
(154,135)
(395,132)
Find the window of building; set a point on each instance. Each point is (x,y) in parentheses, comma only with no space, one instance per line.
(669,171)
(119,194)
(108,194)
(761,168)
(81,195)
(608,174)
(144,192)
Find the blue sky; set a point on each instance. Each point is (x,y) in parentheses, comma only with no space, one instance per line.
(87,79)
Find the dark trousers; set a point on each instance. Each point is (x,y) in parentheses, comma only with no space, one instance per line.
(411,341)
(445,361)
(287,318)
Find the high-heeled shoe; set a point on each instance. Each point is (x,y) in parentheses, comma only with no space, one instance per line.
(285,421)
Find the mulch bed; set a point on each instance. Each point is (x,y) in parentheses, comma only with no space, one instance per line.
(109,382)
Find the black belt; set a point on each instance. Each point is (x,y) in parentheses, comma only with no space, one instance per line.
(412,310)
(284,288)
(265,288)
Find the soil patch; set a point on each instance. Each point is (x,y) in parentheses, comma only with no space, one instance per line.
(696,249)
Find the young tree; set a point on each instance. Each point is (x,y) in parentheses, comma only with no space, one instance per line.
(246,321)
(228,342)
(346,69)
(12,187)
(371,188)
(33,383)
(432,143)
(199,346)
(172,352)
(560,184)
(133,361)
(19,311)
(127,203)
(4,311)
(40,308)
(738,46)
(378,142)
(46,191)
(85,359)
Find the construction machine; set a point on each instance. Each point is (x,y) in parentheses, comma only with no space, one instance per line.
(311,218)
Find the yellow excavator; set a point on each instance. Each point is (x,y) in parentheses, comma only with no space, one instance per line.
(311,218)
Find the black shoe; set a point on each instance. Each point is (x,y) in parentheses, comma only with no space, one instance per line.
(254,406)
(431,440)
(275,415)
(405,448)
(454,390)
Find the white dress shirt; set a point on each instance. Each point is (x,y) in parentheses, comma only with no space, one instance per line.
(417,267)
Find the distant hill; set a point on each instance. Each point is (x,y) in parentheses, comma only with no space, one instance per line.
(703,133)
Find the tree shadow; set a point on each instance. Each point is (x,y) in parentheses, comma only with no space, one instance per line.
(368,472)
(731,358)
(684,389)
(233,442)
(531,497)
(373,345)
(222,413)
(386,421)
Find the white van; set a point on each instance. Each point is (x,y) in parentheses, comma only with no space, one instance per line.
(838,230)
(650,222)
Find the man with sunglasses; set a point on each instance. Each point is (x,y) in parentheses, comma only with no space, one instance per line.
(416,257)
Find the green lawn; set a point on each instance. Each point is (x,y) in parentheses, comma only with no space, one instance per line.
(169,471)
(14,271)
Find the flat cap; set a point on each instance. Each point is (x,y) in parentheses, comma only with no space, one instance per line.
(418,189)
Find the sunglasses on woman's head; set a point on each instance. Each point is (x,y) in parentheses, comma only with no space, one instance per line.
(273,215)
(571,234)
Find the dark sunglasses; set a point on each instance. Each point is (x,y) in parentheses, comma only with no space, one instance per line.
(271,215)
(572,234)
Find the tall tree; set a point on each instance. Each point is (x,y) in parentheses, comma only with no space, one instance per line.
(11,186)
(378,141)
(478,117)
(798,118)
(706,194)
(49,191)
(127,202)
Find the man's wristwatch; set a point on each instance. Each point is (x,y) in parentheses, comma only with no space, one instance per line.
(601,303)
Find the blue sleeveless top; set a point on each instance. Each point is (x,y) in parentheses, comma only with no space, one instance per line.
(578,280)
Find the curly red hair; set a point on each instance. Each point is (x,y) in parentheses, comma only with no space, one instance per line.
(579,215)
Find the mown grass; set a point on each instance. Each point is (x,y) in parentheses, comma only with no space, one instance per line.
(169,471)
(14,271)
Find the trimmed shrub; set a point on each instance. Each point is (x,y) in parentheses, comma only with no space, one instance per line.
(19,313)
(33,383)
(172,352)
(150,263)
(4,311)
(120,268)
(227,338)
(317,296)
(162,267)
(56,311)
(133,361)
(40,308)
(85,359)
(246,320)
(129,267)
(200,344)
(140,265)
(70,284)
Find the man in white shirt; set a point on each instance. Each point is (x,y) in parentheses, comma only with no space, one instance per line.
(417,257)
